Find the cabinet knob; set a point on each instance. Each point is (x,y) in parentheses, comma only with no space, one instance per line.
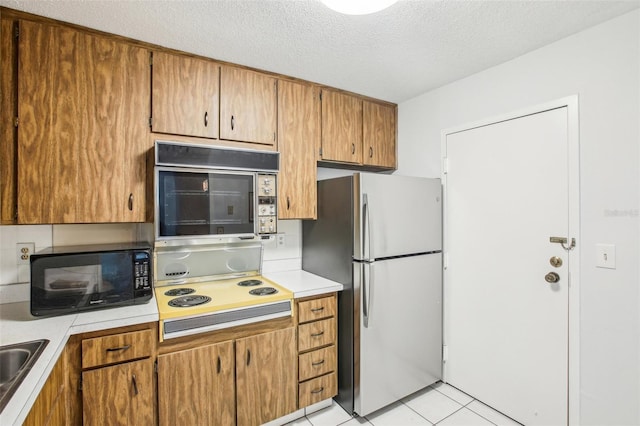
(353,148)
(319,390)
(130,202)
(248,357)
(233,122)
(206,118)
(288,203)
(219,366)
(370,152)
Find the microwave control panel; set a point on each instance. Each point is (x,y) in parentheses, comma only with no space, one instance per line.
(141,272)
(267,202)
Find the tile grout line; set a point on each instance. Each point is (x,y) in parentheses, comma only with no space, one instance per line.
(409,407)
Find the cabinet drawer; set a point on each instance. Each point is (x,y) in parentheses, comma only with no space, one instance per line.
(317,390)
(316,334)
(316,309)
(317,363)
(116,348)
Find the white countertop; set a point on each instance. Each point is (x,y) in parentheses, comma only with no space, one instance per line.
(303,283)
(17,325)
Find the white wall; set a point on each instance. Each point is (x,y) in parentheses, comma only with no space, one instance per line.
(602,66)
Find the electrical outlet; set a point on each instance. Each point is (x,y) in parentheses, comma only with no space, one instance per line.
(24,252)
(281,240)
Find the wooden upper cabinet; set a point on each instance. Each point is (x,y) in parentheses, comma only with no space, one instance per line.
(8,196)
(247,106)
(379,134)
(184,95)
(341,127)
(298,144)
(266,377)
(82,132)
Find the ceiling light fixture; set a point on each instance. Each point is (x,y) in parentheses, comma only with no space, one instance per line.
(358,7)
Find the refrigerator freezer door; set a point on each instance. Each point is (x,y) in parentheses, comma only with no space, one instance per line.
(399,350)
(397,215)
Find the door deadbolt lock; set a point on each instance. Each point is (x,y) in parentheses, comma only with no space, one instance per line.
(555,261)
(552,278)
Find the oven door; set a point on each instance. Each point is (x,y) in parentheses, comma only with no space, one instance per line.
(195,203)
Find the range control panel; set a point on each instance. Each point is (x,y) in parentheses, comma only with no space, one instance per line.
(267,204)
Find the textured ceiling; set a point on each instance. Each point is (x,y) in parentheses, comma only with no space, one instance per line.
(408,49)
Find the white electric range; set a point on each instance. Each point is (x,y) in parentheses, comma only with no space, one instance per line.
(209,287)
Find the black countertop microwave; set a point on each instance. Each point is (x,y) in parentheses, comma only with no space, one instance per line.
(77,278)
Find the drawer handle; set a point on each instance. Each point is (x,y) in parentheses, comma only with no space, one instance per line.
(315,364)
(248,357)
(121,348)
(219,366)
(318,309)
(317,334)
(318,390)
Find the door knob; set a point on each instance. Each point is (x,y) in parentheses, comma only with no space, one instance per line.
(552,277)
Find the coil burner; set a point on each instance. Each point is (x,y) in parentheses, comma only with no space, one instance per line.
(249,283)
(263,291)
(179,291)
(188,301)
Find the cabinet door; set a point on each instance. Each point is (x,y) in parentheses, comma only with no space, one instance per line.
(379,134)
(247,106)
(298,144)
(121,394)
(185,95)
(341,127)
(82,132)
(197,386)
(8,46)
(266,376)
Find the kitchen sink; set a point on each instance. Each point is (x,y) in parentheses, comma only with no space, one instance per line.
(15,362)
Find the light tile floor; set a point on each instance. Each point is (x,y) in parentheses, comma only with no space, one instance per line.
(438,404)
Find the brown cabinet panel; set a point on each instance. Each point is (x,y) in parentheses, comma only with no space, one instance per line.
(317,390)
(117,348)
(379,134)
(185,95)
(49,137)
(8,137)
(341,127)
(82,133)
(247,106)
(317,363)
(50,408)
(316,334)
(315,309)
(266,380)
(197,386)
(120,394)
(298,144)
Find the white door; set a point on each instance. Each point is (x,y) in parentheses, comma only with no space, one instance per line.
(506,327)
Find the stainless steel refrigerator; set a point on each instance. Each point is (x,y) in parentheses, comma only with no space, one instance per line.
(381,237)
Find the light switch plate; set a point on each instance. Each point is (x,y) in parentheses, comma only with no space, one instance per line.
(606,256)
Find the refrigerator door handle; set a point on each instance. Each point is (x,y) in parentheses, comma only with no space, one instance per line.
(366,293)
(366,228)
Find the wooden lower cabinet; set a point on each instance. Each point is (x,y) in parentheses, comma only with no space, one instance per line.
(196,386)
(266,378)
(121,394)
(50,408)
(317,348)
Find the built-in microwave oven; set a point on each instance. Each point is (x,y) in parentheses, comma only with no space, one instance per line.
(77,278)
(213,194)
